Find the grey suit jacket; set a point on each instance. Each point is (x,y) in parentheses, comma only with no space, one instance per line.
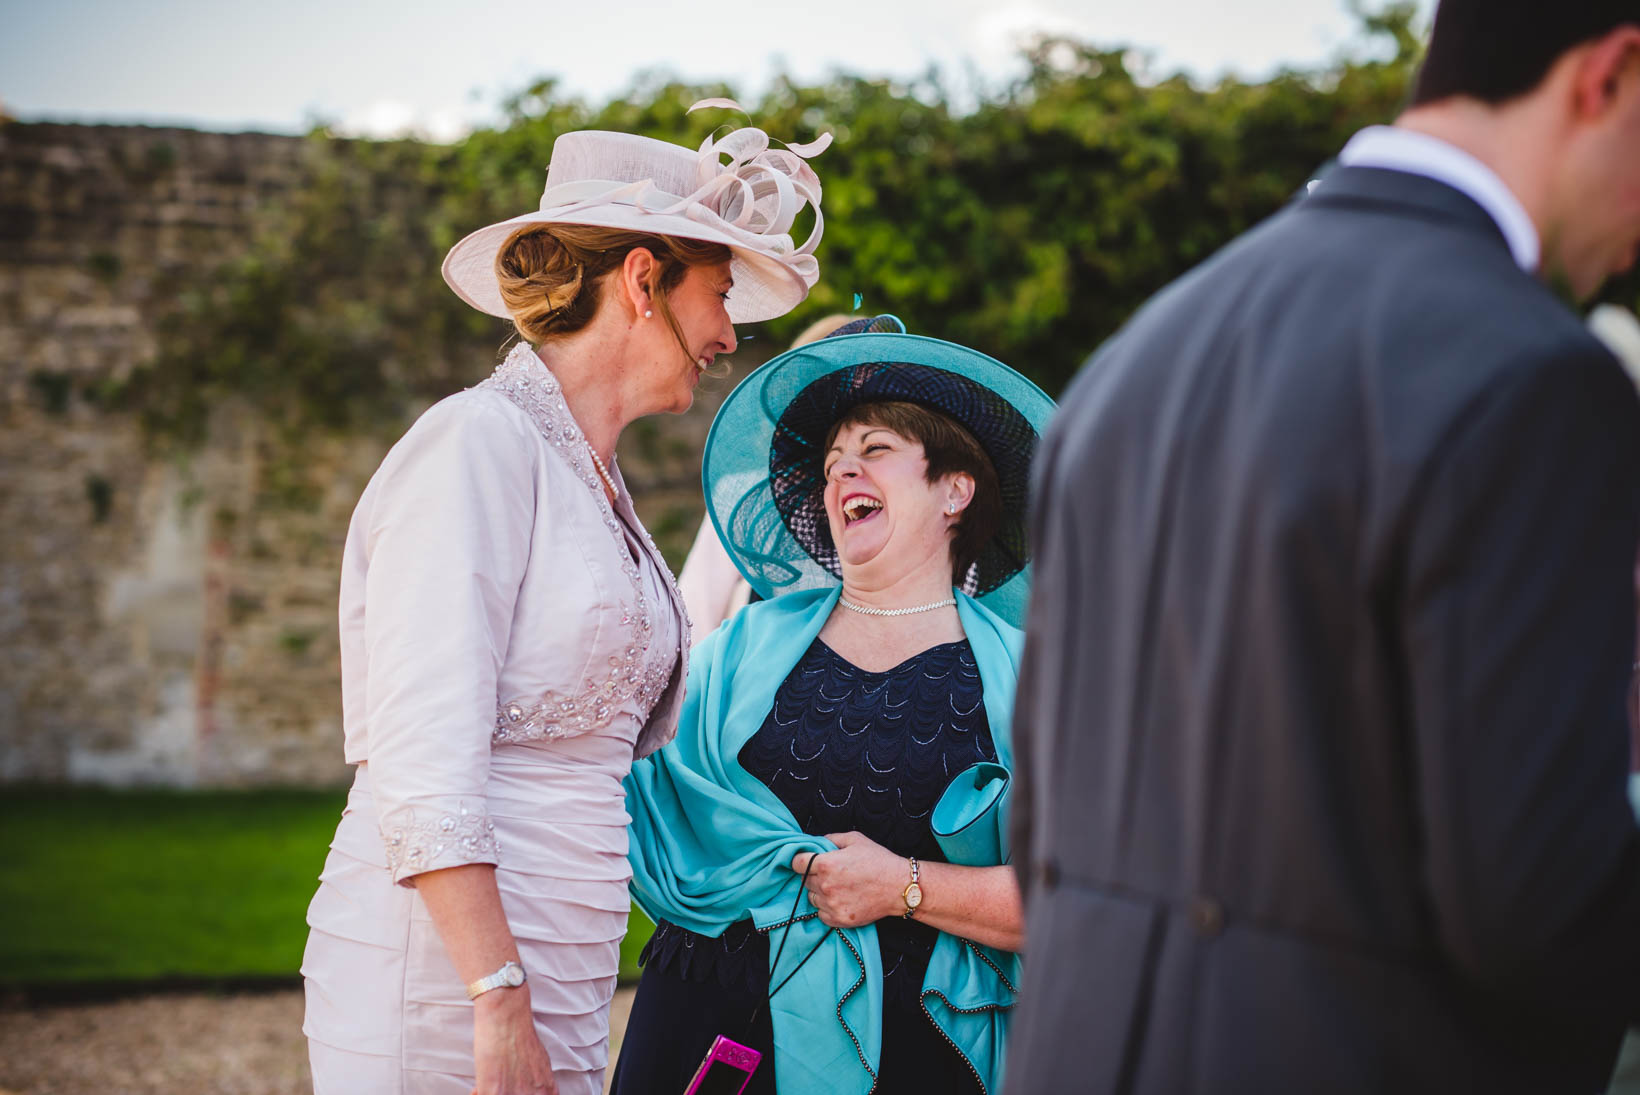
(1321,732)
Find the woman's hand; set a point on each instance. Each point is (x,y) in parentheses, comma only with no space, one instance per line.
(860,883)
(863,882)
(508,1056)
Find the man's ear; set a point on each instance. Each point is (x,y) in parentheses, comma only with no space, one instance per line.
(1607,70)
(637,275)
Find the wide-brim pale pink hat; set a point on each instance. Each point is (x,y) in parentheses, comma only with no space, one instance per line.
(735,190)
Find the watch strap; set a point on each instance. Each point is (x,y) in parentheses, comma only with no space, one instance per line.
(510,975)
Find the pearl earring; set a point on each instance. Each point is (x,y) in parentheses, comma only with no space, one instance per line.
(647,314)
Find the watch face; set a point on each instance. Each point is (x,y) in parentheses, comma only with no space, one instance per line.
(514,975)
(913,896)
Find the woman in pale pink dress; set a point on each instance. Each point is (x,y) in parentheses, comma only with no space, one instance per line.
(511,638)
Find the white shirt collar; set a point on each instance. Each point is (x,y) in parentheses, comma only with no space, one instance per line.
(1419,154)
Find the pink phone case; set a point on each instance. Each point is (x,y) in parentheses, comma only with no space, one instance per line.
(726,1070)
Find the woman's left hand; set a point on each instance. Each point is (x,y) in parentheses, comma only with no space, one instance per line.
(860,883)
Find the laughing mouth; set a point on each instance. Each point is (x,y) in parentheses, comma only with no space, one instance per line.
(860,507)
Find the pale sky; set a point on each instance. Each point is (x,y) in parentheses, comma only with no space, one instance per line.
(376,67)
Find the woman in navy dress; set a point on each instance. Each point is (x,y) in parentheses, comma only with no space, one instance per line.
(905,480)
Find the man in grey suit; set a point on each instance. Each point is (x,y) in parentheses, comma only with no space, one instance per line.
(1320,729)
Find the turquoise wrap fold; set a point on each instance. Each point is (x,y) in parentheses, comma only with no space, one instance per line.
(970,821)
(712,845)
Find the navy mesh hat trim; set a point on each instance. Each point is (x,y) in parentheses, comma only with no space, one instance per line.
(738,460)
(869,325)
(796,457)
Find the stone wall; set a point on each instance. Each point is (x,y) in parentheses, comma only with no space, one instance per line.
(163,619)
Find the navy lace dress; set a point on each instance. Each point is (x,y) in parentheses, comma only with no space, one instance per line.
(845,750)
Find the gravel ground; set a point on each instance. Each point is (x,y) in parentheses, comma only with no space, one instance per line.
(170,1045)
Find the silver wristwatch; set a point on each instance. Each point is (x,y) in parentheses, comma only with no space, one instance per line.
(509,976)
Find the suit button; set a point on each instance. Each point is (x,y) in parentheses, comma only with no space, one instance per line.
(1207,917)
(1048,874)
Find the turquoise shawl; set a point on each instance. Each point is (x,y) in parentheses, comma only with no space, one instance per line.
(712,845)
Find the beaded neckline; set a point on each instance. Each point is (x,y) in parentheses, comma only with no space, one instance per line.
(524,380)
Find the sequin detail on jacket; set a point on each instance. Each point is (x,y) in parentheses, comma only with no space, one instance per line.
(416,842)
(640,671)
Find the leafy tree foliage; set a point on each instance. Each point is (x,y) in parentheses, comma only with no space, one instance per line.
(1030,226)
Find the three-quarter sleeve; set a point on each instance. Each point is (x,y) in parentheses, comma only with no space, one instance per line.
(448,538)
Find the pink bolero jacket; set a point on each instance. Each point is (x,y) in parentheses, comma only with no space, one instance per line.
(491,596)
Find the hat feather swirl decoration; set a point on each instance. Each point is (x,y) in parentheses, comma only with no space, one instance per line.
(737,189)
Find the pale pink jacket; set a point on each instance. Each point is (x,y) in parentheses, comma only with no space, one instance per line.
(489,596)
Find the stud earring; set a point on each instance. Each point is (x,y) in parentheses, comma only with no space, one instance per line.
(952,508)
(647,314)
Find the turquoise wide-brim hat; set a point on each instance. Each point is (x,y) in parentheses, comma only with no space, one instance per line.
(763,466)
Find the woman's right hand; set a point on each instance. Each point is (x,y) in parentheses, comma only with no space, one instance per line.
(508,1056)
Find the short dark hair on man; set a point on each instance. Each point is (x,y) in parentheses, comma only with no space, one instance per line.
(1497,50)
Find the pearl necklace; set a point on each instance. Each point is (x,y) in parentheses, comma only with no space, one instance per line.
(864,611)
(603,472)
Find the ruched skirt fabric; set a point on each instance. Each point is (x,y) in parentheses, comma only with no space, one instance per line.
(386,1011)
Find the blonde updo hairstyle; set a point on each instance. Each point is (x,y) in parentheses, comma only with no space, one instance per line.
(552,275)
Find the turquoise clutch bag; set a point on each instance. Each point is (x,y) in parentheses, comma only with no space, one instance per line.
(970,821)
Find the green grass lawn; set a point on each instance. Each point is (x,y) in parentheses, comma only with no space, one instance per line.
(137,885)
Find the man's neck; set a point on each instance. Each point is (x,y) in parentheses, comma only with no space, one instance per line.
(1504,139)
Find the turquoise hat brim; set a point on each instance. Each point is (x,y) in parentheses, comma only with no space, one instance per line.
(735,468)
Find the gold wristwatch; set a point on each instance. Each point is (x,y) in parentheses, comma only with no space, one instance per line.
(913,892)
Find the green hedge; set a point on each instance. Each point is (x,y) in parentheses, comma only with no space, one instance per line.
(1029,220)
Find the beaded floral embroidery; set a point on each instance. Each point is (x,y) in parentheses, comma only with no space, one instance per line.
(424,838)
(635,673)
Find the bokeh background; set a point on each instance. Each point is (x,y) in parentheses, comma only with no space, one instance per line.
(219,303)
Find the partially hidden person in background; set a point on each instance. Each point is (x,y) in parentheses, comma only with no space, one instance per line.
(1619,329)
(1321,740)
(713,587)
(511,638)
(872,484)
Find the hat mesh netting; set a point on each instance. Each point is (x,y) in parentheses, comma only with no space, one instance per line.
(764,461)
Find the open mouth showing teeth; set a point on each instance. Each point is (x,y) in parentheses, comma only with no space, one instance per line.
(859,508)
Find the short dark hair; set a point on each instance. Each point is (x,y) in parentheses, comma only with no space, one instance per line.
(948,447)
(1497,50)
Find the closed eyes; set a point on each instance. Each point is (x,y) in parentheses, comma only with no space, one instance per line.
(866,450)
